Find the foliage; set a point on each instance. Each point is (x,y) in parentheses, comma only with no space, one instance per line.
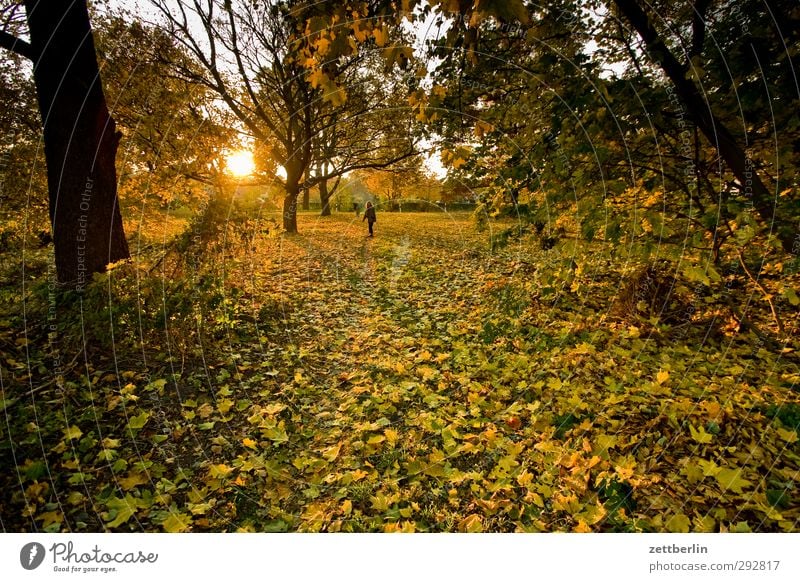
(174,135)
(413,382)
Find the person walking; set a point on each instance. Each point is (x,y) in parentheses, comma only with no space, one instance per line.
(369,216)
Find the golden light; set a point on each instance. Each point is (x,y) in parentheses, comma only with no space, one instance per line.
(240,163)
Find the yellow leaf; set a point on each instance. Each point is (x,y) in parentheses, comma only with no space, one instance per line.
(347,507)
(322,45)
(678,523)
(274,408)
(731,479)
(662,376)
(358,474)
(249,443)
(791,295)
(336,96)
(694,474)
(359,32)
(705,524)
(380,502)
(72,432)
(471,524)
(525,478)
(317,78)
(176,523)
(137,422)
(219,471)
(331,453)
(133,480)
(381,35)
(50,517)
(391,435)
(224,405)
(710,468)
(582,527)
(700,435)
(789,436)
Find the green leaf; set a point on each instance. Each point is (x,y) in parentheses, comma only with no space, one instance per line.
(790,295)
(678,523)
(123,508)
(157,385)
(276,434)
(137,422)
(7,403)
(696,275)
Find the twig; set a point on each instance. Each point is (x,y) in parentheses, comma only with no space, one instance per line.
(745,323)
(766,294)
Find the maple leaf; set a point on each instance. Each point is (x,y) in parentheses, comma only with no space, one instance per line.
(731,479)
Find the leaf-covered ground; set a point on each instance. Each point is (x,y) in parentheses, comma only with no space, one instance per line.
(417,381)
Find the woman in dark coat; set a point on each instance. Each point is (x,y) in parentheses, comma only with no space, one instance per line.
(369,216)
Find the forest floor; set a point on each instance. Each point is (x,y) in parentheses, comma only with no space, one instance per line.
(414,381)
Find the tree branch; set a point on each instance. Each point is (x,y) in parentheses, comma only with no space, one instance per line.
(17,45)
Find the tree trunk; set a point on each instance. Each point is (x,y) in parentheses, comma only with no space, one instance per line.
(699,111)
(324,198)
(80,141)
(290,208)
(306,199)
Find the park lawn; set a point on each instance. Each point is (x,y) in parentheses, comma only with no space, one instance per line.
(416,381)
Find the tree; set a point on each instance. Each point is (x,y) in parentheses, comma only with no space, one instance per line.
(175,136)
(252,56)
(702,110)
(80,138)
(23,185)
(604,138)
(372,130)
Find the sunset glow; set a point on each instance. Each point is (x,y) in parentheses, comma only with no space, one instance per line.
(240,163)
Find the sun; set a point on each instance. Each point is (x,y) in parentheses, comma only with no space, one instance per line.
(240,163)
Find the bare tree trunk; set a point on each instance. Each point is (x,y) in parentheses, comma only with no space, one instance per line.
(306,199)
(701,114)
(80,141)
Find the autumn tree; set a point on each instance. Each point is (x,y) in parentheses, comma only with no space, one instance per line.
(80,136)
(23,183)
(251,56)
(175,135)
(574,115)
(684,66)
